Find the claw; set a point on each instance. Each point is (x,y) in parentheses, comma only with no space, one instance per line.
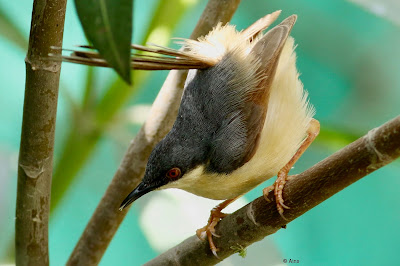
(209,230)
(266,192)
(201,234)
(277,187)
(214,234)
(284,206)
(215,253)
(213,248)
(280,210)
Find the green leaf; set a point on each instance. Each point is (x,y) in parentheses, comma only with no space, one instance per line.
(79,146)
(108,25)
(240,250)
(166,17)
(336,138)
(89,98)
(10,31)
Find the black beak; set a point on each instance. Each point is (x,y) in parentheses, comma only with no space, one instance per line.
(139,191)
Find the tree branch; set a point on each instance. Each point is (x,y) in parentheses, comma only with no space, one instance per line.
(260,218)
(107,218)
(35,164)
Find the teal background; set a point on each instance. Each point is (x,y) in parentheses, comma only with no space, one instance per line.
(349,61)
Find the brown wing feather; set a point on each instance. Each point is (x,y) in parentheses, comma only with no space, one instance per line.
(254,29)
(235,108)
(268,50)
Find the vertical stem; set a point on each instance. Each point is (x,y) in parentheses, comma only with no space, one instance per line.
(35,163)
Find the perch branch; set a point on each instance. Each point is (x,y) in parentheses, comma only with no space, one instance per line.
(107,218)
(35,163)
(260,218)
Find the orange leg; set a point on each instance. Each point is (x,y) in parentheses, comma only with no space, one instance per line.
(312,133)
(209,230)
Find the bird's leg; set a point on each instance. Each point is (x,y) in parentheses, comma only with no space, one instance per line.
(209,230)
(282,177)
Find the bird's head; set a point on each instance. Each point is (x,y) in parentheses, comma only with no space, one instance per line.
(168,162)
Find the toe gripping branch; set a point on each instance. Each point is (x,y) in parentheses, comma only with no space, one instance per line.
(282,177)
(209,230)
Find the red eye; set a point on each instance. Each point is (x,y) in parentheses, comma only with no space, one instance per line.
(174,173)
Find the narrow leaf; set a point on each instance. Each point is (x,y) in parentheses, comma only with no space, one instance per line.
(10,31)
(108,25)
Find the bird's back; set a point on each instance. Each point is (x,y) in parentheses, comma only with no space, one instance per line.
(249,110)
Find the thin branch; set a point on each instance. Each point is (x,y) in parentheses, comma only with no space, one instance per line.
(35,164)
(302,192)
(107,218)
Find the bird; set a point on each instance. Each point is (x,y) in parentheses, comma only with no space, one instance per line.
(241,121)
(244,117)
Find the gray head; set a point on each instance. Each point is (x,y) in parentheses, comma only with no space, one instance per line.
(171,158)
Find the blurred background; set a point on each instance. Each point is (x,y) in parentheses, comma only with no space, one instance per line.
(349,60)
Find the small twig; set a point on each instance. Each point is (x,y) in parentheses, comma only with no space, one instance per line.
(107,217)
(35,163)
(260,218)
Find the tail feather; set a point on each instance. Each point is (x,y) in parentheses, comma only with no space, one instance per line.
(164,58)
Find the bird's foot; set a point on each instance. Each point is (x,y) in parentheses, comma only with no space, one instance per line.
(277,187)
(209,230)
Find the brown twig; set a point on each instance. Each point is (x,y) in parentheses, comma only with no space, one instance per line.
(260,218)
(35,164)
(107,218)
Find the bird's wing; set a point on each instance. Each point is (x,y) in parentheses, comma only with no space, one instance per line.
(257,27)
(237,139)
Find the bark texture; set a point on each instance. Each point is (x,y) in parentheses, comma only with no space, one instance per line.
(35,163)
